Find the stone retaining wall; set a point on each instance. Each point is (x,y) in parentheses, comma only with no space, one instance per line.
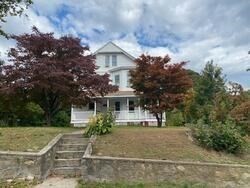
(96,168)
(28,164)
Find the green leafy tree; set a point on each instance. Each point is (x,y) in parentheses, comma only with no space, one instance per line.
(201,101)
(211,82)
(189,107)
(195,76)
(241,110)
(12,8)
(62,119)
(12,109)
(32,115)
(236,94)
(221,107)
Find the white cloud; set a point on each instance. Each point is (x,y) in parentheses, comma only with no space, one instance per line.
(20,25)
(198,30)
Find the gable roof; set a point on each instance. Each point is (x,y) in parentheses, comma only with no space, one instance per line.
(112,47)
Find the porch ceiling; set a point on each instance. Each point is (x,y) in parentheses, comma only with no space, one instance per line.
(119,94)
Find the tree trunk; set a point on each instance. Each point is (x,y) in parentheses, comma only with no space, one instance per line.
(48,118)
(159,119)
(165,119)
(51,105)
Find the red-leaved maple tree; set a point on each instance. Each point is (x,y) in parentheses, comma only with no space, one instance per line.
(52,72)
(160,85)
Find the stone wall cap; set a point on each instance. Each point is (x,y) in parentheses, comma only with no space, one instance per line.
(50,144)
(19,153)
(166,161)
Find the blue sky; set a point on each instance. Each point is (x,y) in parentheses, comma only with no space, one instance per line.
(188,30)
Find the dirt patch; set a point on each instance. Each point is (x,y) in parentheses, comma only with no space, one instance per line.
(58,183)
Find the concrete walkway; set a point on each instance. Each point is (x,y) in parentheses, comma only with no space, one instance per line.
(56,182)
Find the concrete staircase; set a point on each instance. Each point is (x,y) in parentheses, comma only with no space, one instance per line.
(68,156)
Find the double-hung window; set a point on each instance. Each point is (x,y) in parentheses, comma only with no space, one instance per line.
(107,60)
(117,80)
(114,60)
(128,80)
(91,106)
(131,106)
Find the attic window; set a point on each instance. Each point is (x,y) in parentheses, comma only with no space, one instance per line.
(114,60)
(107,61)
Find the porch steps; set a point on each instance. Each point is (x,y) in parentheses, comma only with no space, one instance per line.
(75,140)
(67,171)
(68,156)
(68,162)
(71,147)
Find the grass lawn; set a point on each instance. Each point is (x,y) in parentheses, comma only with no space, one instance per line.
(141,185)
(159,143)
(29,138)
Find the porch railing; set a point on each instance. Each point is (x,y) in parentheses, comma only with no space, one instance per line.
(124,115)
(81,116)
(133,115)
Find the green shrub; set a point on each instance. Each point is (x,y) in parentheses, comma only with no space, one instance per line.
(33,115)
(30,114)
(61,119)
(220,137)
(174,118)
(3,123)
(100,124)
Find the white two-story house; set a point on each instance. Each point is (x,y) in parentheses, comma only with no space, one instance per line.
(116,62)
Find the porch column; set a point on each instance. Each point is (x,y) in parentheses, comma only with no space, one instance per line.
(72,111)
(95,108)
(164,116)
(139,110)
(107,104)
(127,108)
(127,104)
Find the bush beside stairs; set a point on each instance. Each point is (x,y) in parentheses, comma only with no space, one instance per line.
(68,156)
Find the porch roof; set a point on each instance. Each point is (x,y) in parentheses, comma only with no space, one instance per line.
(119,94)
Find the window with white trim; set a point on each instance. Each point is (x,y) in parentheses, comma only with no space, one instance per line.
(107,60)
(91,106)
(114,60)
(128,80)
(117,80)
(131,106)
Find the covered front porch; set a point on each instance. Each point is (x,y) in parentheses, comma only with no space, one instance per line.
(124,108)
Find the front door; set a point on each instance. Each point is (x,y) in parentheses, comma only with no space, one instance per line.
(117,110)
(117,106)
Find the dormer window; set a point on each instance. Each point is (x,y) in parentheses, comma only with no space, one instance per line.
(107,61)
(114,60)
